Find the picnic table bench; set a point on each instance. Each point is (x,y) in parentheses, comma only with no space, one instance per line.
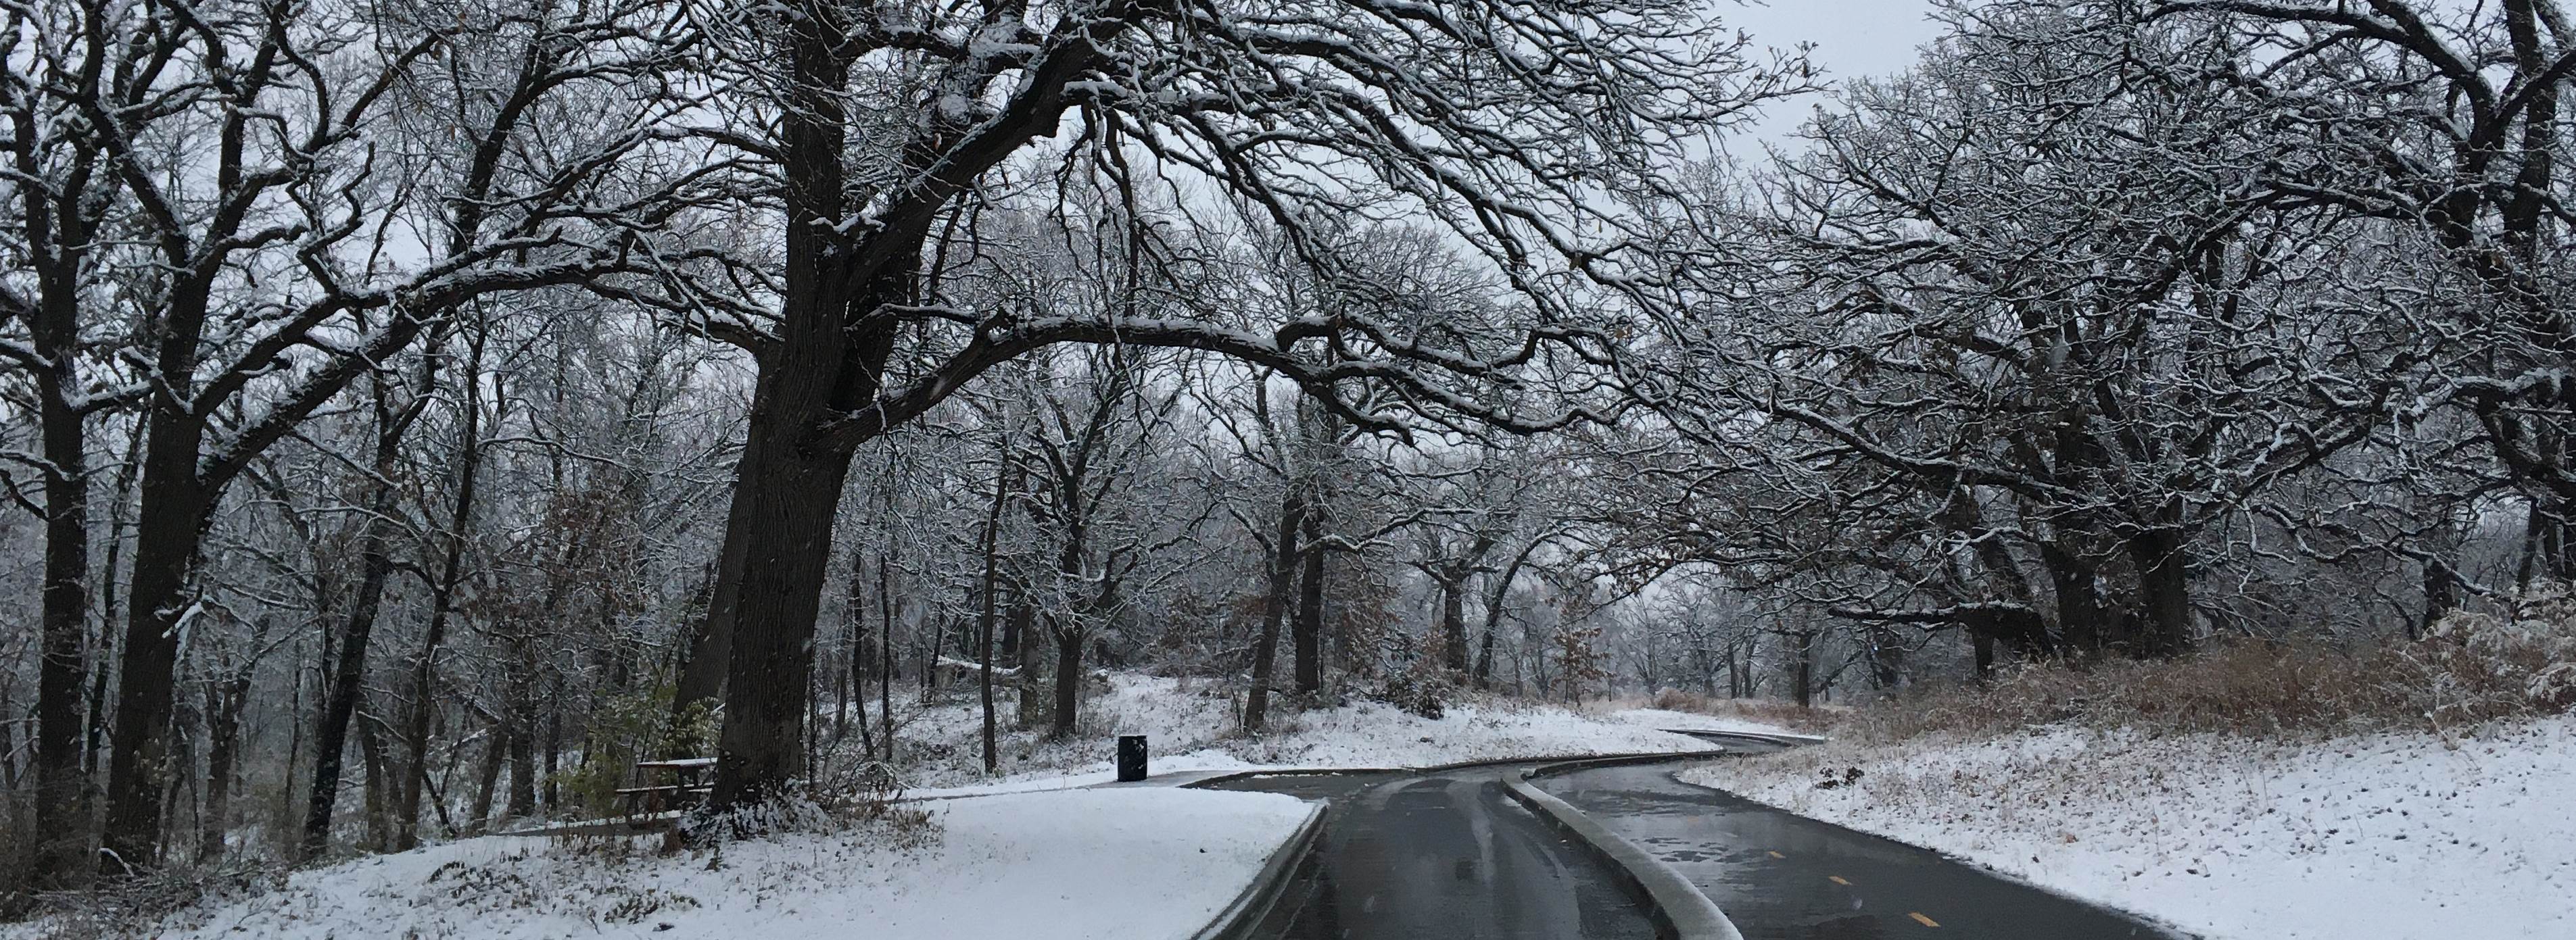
(687,786)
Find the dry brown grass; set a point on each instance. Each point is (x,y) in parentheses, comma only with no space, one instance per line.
(2470,669)
(1766,711)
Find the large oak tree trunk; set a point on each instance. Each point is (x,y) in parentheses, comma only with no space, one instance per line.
(2079,612)
(1309,633)
(175,511)
(2164,577)
(1453,621)
(60,834)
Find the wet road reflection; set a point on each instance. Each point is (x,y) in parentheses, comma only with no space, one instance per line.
(1780,876)
(1445,855)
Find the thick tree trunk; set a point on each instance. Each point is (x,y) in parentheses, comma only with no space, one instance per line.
(371,753)
(1453,622)
(60,837)
(523,769)
(1308,636)
(1068,683)
(2079,613)
(787,485)
(174,515)
(1024,623)
(1274,608)
(2164,578)
(487,775)
(1805,668)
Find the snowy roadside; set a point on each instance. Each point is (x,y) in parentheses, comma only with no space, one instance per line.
(1194,733)
(1096,863)
(2382,835)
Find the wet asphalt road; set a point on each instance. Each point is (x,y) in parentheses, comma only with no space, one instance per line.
(1447,854)
(1442,855)
(1780,876)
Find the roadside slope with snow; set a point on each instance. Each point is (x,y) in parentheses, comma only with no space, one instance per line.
(2393,836)
(1080,864)
(1190,727)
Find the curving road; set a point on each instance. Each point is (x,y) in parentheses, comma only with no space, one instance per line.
(1440,855)
(1781,876)
(1446,854)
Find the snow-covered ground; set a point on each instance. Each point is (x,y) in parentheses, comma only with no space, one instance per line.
(1093,863)
(2393,836)
(1190,727)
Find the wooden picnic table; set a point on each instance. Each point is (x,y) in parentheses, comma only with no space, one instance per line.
(686,786)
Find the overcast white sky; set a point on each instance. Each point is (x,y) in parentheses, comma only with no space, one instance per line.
(1853,38)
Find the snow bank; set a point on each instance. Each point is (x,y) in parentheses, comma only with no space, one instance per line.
(1662,718)
(1141,863)
(2387,835)
(1191,728)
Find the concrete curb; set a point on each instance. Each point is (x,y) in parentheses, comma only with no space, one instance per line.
(1678,907)
(1239,919)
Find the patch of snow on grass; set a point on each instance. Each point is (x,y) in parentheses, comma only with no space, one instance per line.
(2382,835)
(1141,863)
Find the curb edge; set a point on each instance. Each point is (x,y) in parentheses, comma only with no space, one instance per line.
(1676,904)
(1238,919)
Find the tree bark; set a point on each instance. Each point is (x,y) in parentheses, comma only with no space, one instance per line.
(224,701)
(1308,636)
(1453,621)
(1068,682)
(175,512)
(859,659)
(1002,486)
(522,742)
(1024,623)
(1274,608)
(2164,577)
(1805,667)
(2079,614)
(487,774)
(885,656)
(60,838)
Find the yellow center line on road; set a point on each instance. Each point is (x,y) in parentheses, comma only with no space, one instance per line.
(1838,879)
(1920,919)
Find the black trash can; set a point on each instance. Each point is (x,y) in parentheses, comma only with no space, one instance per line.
(1131,757)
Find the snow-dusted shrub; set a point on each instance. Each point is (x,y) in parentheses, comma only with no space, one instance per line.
(1422,688)
(127,906)
(2523,659)
(868,796)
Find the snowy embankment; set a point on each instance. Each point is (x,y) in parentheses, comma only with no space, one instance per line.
(1141,863)
(2391,836)
(1191,728)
